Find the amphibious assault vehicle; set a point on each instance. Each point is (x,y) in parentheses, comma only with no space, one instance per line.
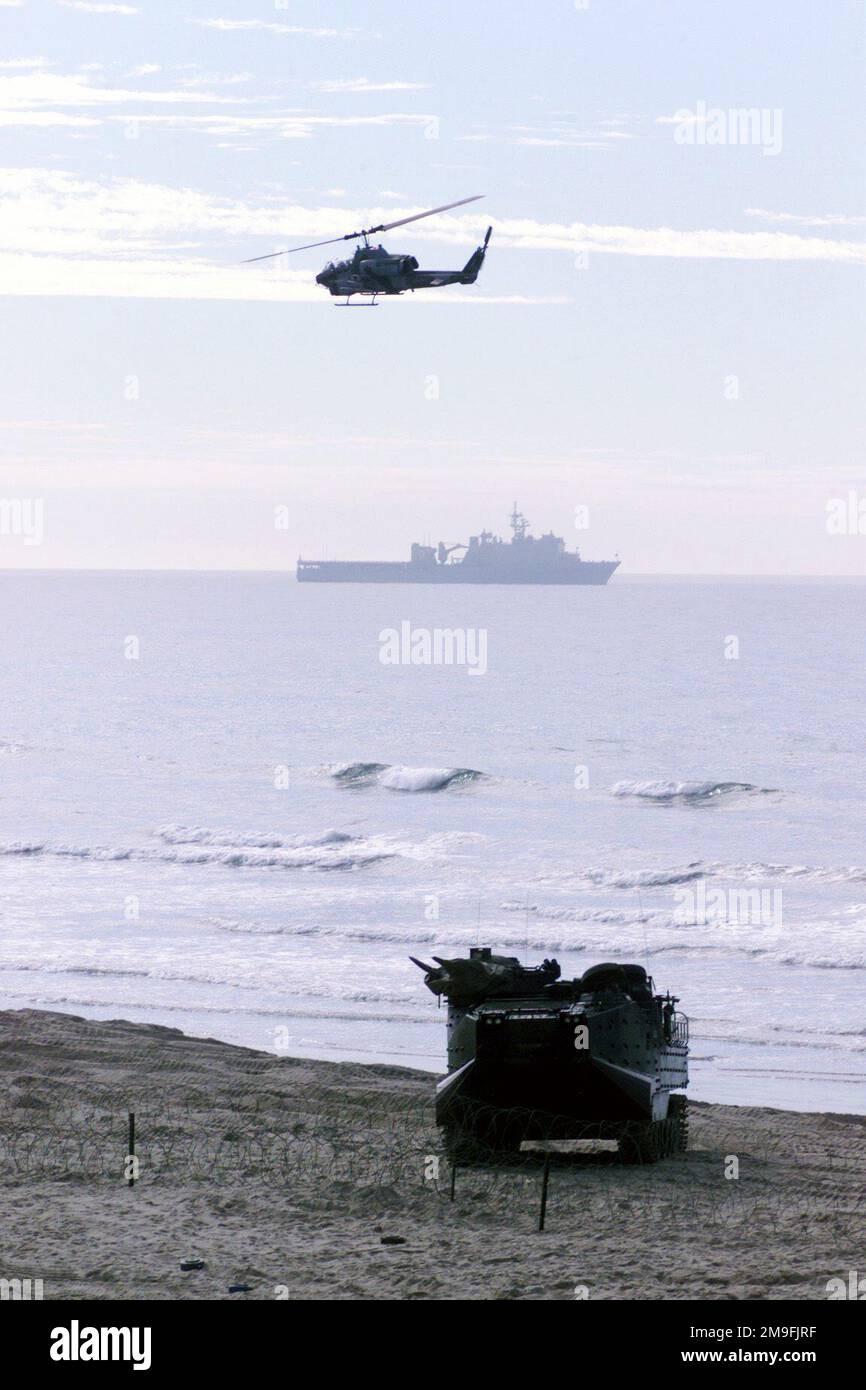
(535,1057)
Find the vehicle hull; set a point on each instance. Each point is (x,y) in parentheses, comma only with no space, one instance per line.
(595,1064)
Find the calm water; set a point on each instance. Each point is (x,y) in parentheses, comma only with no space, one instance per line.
(247,829)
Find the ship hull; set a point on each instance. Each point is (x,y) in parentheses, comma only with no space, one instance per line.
(593,572)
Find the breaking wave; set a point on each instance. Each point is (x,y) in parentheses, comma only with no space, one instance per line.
(202,835)
(645,878)
(685,791)
(332,849)
(656,932)
(198,845)
(403,779)
(756,871)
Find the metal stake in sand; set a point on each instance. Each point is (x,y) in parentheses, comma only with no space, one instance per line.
(544,1181)
(130,1152)
(453,1179)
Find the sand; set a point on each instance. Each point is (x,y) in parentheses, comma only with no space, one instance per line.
(318,1180)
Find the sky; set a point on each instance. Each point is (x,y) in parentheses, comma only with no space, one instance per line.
(666,340)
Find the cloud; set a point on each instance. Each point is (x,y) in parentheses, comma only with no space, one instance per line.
(798,219)
(167,278)
(297,125)
(684,117)
(270,27)
(157,278)
(229,79)
(703,244)
(64,234)
(26,62)
(363,84)
(129,239)
(566,134)
(91,7)
(44,118)
(553,143)
(41,88)
(25,97)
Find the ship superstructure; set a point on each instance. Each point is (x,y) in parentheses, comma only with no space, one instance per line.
(485,559)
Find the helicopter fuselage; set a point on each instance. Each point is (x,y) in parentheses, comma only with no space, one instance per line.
(373,270)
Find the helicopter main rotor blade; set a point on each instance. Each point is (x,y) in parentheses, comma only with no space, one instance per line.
(291,250)
(367,231)
(416,217)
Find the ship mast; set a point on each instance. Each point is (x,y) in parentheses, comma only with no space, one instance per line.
(519,524)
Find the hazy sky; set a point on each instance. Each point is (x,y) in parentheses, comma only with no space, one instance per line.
(668,329)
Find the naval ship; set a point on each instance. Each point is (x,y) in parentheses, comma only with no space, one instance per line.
(487,559)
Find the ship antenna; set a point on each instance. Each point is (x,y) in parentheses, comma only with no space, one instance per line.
(643,924)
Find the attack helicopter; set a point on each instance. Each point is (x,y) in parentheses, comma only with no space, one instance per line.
(372,270)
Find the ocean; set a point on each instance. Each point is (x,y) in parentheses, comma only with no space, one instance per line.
(221,810)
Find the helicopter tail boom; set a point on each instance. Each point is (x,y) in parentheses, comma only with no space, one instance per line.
(470,271)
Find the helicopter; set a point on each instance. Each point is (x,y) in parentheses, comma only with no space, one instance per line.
(372,270)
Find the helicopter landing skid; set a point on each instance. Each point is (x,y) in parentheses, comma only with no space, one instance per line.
(349,305)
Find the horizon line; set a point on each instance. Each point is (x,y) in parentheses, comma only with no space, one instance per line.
(640,575)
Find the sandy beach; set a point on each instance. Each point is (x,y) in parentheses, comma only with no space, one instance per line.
(317,1180)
